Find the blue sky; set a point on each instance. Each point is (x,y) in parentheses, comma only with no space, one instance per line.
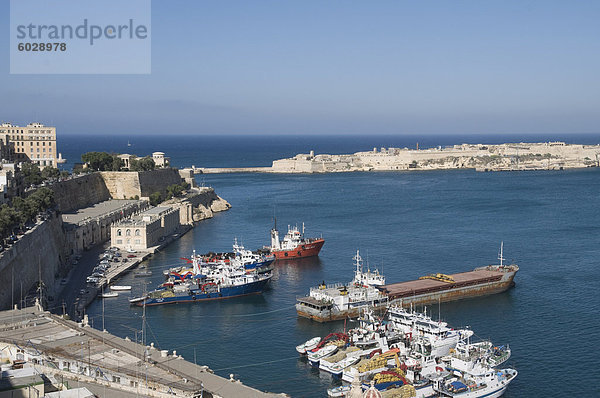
(337,67)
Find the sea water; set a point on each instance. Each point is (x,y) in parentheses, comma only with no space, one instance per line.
(407,224)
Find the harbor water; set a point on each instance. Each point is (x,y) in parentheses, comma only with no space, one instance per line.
(407,224)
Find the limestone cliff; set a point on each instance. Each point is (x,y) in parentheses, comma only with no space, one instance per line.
(199,205)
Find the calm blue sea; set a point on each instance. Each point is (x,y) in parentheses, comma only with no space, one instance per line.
(406,223)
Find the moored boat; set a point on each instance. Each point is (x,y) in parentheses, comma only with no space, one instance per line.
(294,244)
(339,301)
(109,294)
(324,352)
(340,391)
(215,282)
(436,288)
(308,345)
(120,287)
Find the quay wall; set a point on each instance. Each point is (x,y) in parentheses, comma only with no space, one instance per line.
(41,249)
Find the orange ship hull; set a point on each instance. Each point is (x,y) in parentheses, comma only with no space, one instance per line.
(304,250)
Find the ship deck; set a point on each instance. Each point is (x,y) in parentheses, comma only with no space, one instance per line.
(424,286)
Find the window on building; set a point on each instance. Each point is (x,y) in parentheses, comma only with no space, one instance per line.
(119,241)
(137,241)
(128,232)
(137,232)
(119,233)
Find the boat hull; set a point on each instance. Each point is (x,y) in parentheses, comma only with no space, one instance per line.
(330,315)
(224,293)
(304,250)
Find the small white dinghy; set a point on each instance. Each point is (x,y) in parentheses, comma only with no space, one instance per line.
(340,391)
(110,294)
(137,299)
(120,287)
(308,345)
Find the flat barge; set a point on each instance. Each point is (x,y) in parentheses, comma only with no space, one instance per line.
(330,303)
(479,282)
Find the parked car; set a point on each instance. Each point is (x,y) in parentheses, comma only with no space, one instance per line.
(131,256)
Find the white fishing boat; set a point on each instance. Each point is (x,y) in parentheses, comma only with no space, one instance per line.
(315,357)
(484,351)
(491,384)
(110,294)
(120,287)
(340,391)
(441,338)
(308,345)
(337,369)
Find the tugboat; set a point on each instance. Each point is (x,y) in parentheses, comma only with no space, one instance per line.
(294,244)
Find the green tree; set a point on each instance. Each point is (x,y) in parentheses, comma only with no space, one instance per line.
(50,173)
(98,161)
(143,164)
(8,219)
(64,174)
(117,163)
(31,174)
(156,198)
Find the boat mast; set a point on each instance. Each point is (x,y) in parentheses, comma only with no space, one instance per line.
(500,256)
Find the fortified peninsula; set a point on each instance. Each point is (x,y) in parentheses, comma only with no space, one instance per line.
(481,157)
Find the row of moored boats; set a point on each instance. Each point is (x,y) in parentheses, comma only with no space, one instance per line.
(408,354)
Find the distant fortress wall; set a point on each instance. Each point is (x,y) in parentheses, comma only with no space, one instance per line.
(510,156)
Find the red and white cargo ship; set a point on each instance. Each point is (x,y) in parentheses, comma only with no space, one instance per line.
(294,244)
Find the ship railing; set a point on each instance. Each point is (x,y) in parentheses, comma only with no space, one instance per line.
(330,286)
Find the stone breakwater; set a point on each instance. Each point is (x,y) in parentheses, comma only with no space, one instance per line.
(516,156)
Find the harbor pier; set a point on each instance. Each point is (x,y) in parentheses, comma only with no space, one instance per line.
(68,354)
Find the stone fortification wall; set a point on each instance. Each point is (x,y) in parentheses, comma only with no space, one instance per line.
(41,245)
(129,184)
(80,192)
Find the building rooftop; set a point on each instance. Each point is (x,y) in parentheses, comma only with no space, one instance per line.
(98,210)
(155,210)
